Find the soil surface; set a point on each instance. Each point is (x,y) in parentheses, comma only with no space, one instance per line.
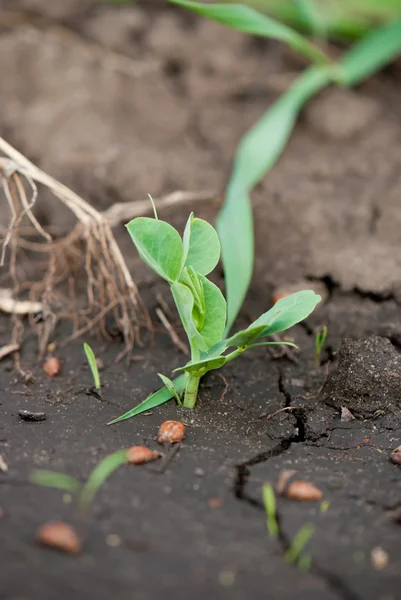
(117,102)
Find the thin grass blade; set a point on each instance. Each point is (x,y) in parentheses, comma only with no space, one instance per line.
(100,473)
(90,355)
(56,480)
(160,397)
(257,153)
(246,19)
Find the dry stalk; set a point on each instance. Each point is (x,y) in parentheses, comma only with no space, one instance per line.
(91,246)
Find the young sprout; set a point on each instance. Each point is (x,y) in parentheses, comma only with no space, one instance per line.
(269,500)
(185,264)
(90,355)
(295,553)
(320,338)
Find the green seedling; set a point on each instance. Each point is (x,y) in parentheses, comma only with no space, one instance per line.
(269,500)
(320,338)
(295,553)
(185,263)
(90,355)
(84,494)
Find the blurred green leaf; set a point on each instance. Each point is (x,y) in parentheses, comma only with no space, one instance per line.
(258,151)
(100,473)
(53,479)
(246,19)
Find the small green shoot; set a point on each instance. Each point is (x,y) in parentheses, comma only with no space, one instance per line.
(295,553)
(185,263)
(325,505)
(52,479)
(320,338)
(269,500)
(84,493)
(90,355)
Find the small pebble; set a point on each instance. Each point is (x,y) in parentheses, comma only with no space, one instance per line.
(140,455)
(199,472)
(28,415)
(60,536)
(379,558)
(113,540)
(52,366)
(396,456)
(346,415)
(3,465)
(215,502)
(171,431)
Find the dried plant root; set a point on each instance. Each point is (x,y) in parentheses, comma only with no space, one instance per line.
(90,247)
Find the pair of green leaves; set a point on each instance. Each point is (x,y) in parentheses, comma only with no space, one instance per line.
(184,264)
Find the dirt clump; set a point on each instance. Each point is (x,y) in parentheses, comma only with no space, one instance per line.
(367,380)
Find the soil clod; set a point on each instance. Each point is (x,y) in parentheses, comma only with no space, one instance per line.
(367,380)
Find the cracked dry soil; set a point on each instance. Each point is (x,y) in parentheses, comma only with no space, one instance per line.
(329,212)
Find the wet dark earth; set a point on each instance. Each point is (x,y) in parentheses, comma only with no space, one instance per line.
(199,527)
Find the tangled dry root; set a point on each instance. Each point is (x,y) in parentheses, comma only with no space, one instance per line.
(90,247)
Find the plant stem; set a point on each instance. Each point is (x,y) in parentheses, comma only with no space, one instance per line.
(191,391)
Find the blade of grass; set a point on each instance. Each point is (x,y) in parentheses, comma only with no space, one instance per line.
(100,473)
(299,542)
(246,19)
(90,355)
(262,145)
(160,397)
(52,479)
(258,151)
(269,500)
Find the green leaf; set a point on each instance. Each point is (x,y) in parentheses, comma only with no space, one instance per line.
(100,473)
(287,312)
(201,367)
(203,245)
(257,153)
(160,397)
(171,387)
(372,53)
(269,501)
(90,355)
(185,304)
(248,20)
(215,313)
(159,245)
(244,337)
(53,479)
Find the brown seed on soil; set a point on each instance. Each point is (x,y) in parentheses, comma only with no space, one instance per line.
(396,456)
(140,455)
(60,536)
(215,502)
(171,431)
(303,490)
(52,366)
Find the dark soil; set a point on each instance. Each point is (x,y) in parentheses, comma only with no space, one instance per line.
(328,214)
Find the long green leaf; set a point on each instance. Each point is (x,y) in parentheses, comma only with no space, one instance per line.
(372,53)
(246,19)
(100,473)
(53,479)
(160,397)
(256,154)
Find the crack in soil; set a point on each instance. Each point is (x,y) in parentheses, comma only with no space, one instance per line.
(331,580)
